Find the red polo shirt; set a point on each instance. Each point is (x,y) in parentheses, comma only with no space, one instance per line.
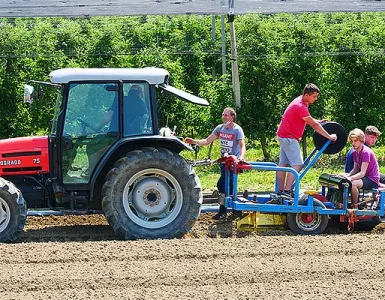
(292,124)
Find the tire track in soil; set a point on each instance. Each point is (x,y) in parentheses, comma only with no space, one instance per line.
(79,257)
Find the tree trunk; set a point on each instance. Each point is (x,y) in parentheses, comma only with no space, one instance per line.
(266,153)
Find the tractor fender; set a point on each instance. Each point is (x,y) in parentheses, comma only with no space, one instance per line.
(173,142)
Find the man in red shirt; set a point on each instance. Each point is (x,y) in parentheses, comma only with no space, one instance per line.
(290,131)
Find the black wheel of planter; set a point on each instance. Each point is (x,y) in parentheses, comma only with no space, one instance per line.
(151,193)
(308,223)
(367,224)
(13,212)
(334,147)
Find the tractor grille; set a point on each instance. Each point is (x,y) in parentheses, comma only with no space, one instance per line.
(29,153)
(22,169)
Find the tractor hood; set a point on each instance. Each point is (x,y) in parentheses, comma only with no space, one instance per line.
(24,155)
(184,95)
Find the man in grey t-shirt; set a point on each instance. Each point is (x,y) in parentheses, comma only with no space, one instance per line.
(232,141)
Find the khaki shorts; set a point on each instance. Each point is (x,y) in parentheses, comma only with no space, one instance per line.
(290,152)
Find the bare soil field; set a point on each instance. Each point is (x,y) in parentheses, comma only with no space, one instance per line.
(79,257)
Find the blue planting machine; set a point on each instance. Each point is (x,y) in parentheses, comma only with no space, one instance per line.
(308,212)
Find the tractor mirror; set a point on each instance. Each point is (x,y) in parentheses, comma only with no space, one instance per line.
(28,93)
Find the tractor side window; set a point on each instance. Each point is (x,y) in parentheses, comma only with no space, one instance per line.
(87,134)
(137,118)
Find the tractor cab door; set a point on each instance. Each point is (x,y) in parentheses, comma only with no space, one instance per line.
(84,138)
(97,115)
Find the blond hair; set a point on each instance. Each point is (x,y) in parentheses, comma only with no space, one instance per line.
(356,134)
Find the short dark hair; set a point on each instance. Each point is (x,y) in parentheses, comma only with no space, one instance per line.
(310,88)
(372,130)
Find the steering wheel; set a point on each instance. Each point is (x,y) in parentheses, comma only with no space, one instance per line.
(85,125)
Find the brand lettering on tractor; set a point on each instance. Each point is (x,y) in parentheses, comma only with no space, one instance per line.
(226,136)
(13,162)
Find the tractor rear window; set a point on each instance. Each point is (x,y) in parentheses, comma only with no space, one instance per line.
(137,118)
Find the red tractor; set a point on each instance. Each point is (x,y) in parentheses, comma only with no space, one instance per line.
(104,154)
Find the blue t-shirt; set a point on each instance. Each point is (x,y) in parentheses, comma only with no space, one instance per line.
(349,165)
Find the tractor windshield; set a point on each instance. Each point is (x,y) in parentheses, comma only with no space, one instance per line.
(58,103)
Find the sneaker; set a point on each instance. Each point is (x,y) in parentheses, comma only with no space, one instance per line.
(236,213)
(273,201)
(220,216)
(288,194)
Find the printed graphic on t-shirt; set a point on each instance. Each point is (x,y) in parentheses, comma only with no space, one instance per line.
(227,141)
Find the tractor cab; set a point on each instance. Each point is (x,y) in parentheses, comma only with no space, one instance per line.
(97,108)
(100,109)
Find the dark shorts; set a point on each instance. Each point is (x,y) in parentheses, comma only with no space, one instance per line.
(368,184)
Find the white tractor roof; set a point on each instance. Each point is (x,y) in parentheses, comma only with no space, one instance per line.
(151,75)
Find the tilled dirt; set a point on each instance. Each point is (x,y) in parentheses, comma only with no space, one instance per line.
(79,257)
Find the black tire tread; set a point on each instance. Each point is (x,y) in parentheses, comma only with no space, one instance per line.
(133,158)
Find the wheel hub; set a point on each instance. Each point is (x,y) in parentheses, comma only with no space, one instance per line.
(308,221)
(307,218)
(151,197)
(4,215)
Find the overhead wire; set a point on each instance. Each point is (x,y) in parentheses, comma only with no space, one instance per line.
(241,56)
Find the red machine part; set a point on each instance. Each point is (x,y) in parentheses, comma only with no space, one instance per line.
(233,163)
(24,156)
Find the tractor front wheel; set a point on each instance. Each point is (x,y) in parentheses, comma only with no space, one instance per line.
(308,223)
(13,212)
(151,193)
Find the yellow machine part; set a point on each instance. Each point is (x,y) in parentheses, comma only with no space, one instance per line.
(256,221)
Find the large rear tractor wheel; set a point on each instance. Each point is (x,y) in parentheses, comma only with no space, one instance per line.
(151,193)
(308,223)
(13,212)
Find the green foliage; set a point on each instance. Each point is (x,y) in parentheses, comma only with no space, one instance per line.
(278,54)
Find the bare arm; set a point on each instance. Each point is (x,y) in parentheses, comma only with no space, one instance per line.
(318,128)
(203,142)
(241,144)
(361,172)
(355,170)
